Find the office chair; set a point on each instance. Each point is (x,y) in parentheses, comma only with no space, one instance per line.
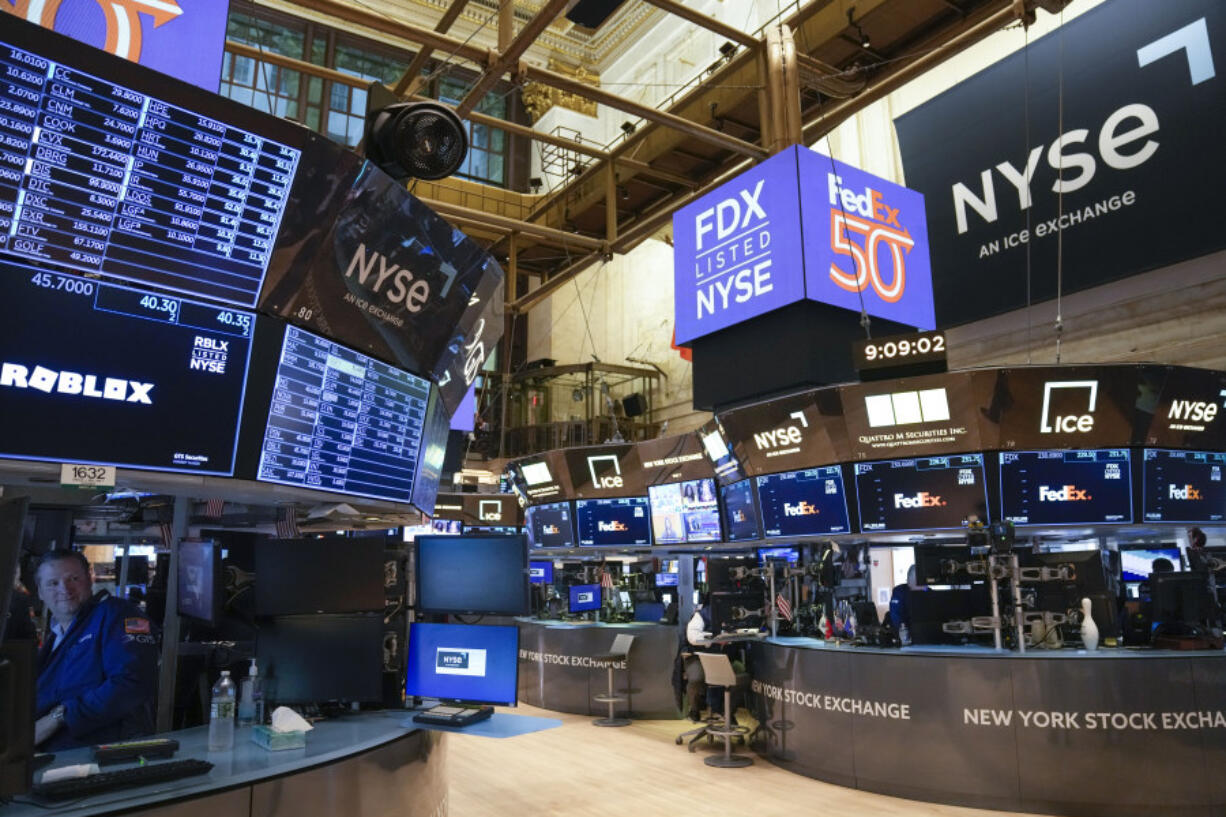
(620,651)
(718,671)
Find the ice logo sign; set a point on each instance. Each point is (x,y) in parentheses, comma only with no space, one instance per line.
(606,471)
(154,33)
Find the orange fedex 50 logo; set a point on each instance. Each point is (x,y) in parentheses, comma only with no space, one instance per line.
(866,214)
(123,23)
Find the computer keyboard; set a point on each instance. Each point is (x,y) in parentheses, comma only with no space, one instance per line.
(453,715)
(121,778)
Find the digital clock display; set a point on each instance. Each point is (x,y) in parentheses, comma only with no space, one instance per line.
(899,350)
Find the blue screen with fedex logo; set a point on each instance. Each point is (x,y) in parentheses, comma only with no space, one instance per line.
(463,662)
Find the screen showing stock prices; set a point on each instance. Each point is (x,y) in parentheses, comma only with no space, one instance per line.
(101,373)
(924,493)
(1066,487)
(97,177)
(799,503)
(341,421)
(1184,486)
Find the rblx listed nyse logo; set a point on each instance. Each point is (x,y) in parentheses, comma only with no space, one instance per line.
(867,215)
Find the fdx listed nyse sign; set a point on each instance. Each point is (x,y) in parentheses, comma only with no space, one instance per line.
(737,251)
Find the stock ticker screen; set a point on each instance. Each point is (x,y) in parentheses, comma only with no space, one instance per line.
(341,421)
(807,502)
(100,373)
(97,177)
(613,522)
(550,526)
(1066,487)
(740,512)
(1184,486)
(925,493)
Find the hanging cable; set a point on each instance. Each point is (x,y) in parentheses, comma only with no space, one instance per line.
(861,275)
(1060,200)
(1026,160)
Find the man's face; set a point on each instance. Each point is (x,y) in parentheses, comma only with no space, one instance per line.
(64,586)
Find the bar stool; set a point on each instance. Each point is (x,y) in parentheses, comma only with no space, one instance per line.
(718,671)
(620,651)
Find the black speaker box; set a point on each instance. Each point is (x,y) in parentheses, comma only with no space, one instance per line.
(634,405)
(592,13)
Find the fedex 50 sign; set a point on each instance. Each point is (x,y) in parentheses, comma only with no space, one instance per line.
(737,250)
(865,241)
(801,226)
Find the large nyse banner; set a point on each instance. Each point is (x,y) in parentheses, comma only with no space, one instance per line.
(1143,105)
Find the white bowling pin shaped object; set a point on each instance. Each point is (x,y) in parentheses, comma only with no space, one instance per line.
(1089,630)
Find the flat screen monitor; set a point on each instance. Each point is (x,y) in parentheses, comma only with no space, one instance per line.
(730,611)
(138,569)
(550,526)
(1184,486)
(463,663)
(12,527)
(499,529)
(142,380)
(341,421)
(1136,564)
(1066,487)
(472,574)
(667,579)
(926,493)
(200,581)
(791,555)
(17,706)
(312,659)
(726,573)
(811,502)
(613,522)
(741,511)
(684,512)
(336,574)
(446,527)
(540,572)
(121,180)
(584,598)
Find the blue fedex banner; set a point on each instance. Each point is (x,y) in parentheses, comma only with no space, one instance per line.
(182,38)
(765,240)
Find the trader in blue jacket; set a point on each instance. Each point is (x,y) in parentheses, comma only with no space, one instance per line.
(97,669)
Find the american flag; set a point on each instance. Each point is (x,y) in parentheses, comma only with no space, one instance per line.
(606,579)
(785,607)
(287,523)
(167,532)
(213,508)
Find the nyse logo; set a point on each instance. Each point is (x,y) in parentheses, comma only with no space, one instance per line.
(1068,423)
(391,281)
(1197,412)
(876,223)
(585,597)
(801,508)
(778,437)
(459,661)
(1188,493)
(1065,493)
(601,478)
(209,355)
(489,510)
(614,526)
(732,251)
(907,407)
(921,500)
(16,376)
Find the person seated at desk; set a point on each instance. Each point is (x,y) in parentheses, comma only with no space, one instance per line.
(900,603)
(97,668)
(699,633)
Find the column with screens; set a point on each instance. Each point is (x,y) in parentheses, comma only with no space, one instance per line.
(925,493)
(1066,487)
(810,502)
(1184,486)
(342,421)
(100,373)
(98,177)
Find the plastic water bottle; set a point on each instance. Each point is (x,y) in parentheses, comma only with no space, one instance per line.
(221,714)
(251,698)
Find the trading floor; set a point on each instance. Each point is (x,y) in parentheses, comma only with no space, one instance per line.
(640,770)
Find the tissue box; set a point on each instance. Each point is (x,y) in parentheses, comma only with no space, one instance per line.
(268,738)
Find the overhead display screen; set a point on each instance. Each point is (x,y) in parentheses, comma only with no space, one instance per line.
(1066,487)
(341,421)
(926,493)
(798,430)
(97,177)
(684,512)
(740,511)
(803,503)
(612,522)
(550,526)
(99,373)
(1184,486)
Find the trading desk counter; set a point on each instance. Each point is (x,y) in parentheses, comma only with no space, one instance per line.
(558,671)
(361,765)
(1114,732)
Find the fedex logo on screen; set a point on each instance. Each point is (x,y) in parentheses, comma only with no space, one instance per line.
(459,661)
(869,217)
(154,33)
